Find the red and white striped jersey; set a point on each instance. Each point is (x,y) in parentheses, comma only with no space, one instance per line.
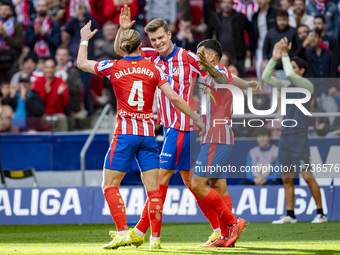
(134,81)
(247,9)
(182,69)
(218,110)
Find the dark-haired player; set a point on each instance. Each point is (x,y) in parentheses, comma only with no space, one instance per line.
(217,144)
(294,143)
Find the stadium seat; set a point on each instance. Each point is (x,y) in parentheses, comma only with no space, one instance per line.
(18,174)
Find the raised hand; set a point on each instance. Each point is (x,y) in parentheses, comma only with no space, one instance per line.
(86,33)
(125,22)
(202,57)
(277,51)
(285,45)
(255,85)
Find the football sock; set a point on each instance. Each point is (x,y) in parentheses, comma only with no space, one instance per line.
(155,238)
(155,212)
(291,213)
(229,203)
(226,217)
(144,222)
(117,207)
(163,189)
(217,230)
(139,233)
(208,211)
(319,211)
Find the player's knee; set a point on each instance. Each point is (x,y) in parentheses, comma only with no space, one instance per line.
(195,186)
(288,181)
(309,180)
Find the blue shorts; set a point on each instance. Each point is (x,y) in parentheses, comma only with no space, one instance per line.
(124,148)
(294,151)
(180,149)
(212,161)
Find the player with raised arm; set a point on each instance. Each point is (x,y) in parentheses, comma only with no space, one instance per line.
(217,143)
(177,155)
(294,143)
(134,81)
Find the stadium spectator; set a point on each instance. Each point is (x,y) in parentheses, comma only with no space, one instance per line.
(261,158)
(282,29)
(104,47)
(6,116)
(71,38)
(263,20)
(112,9)
(331,43)
(11,37)
(29,65)
(134,137)
(226,23)
(294,144)
(186,38)
(234,70)
(165,9)
(55,94)
(71,76)
(57,10)
(71,7)
(287,5)
(226,59)
(322,67)
(25,12)
(216,146)
(329,11)
(43,34)
(103,50)
(247,7)
(70,35)
(299,16)
(28,107)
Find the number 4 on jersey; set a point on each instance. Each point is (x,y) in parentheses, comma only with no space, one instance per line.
(136,87)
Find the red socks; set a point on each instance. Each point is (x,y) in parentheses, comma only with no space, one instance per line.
(155,212)
(226,217)
(117,207)
(229,203)
(207,210)
(144,221)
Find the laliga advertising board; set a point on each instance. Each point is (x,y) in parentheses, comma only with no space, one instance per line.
(87,205)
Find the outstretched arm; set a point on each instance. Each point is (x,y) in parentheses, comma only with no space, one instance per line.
(181,105)
(82,62)
(296,79)
(220,78)
(125,23)
(267,75)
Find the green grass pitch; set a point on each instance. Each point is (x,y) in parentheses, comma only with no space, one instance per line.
(258,238)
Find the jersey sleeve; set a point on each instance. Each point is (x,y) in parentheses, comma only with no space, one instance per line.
(160,76)
(227,74)
(103,67)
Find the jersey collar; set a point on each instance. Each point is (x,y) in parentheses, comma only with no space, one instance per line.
(172,54)
(133,58)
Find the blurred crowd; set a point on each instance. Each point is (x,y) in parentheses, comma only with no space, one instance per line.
(41,88)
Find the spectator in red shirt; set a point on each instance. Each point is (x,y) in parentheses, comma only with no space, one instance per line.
(55,93)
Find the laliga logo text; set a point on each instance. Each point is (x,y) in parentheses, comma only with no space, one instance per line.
(238,106)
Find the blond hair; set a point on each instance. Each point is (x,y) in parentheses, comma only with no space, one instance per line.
(129,41)
(155,24)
